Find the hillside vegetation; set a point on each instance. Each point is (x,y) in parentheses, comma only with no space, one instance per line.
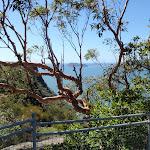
(20,106)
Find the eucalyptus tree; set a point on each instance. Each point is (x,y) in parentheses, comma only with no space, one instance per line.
(16,40)
(109,16)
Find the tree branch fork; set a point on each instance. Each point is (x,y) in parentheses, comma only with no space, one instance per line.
(66,93)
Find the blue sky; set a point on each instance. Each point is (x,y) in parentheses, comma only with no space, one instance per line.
(137,14)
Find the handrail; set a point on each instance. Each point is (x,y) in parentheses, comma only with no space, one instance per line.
(92,129)
(16,132)
(35,124)
(87,120)
(17,123)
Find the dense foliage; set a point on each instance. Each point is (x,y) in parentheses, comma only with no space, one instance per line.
(103,102)
(123,89)
(18,107)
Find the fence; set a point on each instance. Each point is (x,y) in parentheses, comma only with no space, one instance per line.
(105,137)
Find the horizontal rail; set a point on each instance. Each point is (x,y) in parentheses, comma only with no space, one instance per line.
(87,120)
(17,132)
(17,123)
(91,129)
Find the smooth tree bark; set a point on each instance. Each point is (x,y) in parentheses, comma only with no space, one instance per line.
(116,32)
(24,9)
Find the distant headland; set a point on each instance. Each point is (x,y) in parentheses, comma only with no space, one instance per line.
(76,65)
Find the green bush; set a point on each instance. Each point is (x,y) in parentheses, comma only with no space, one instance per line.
(18,107)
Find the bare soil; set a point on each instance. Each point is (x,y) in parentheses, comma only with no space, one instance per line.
(39,145)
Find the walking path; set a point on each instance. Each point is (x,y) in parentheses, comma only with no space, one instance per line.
(40,145)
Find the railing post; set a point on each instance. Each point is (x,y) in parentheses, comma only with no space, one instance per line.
(34,131)
(148,131)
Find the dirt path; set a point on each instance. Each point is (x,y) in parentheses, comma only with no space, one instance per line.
(40,145)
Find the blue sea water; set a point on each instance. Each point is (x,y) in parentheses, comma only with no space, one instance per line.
(91,70)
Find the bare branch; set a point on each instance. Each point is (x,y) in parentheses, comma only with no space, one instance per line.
(40,99)
(69,39)
(55,71)
(38,73)
(6,44)
(29,64)
(120,43)
(8,37)
(106,19)
(119,22)
(17,34)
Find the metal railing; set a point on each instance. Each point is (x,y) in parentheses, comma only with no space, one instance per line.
(35,124)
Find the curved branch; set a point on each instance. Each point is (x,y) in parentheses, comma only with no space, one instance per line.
(38,73)
(106,19)
(29,64)
(119,22)
(120,43)
(114,71)
(65,93)
(69,77)
(43,66)
(20,91)
(40,99)
(11,64)
(17,34)
(82,102)
(77,108)
(60,86)
(6,34)
(77,81)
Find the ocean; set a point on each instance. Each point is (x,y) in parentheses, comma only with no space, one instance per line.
(90,70)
